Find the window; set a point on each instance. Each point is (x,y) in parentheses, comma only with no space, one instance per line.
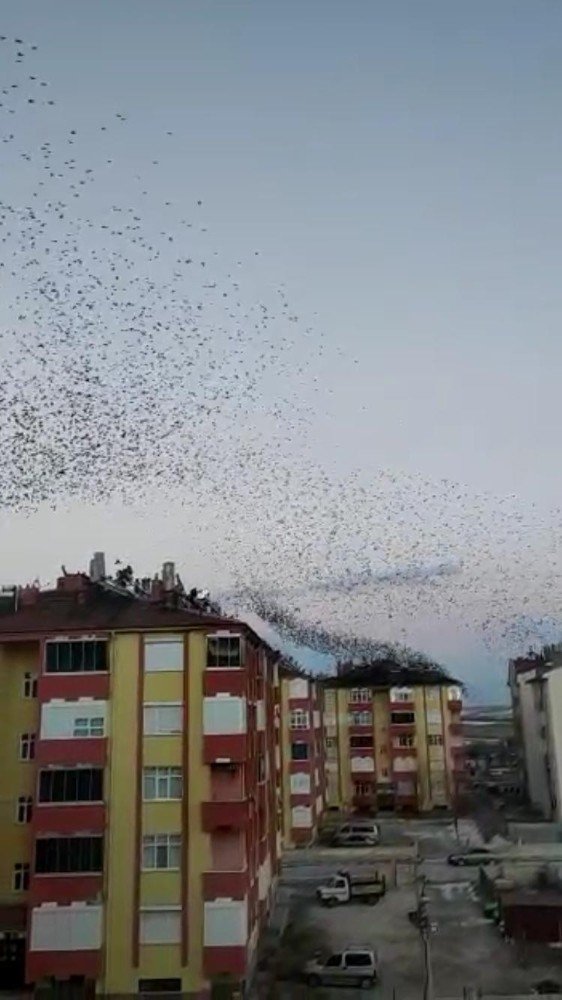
(363,788)
(331,742)
(401,694)
(161,850)
(163,719)
(359,694)
(55,855)
(360,719)
(300,719)
(29,685)
(27,746)
(164,653)
(402,718)
(361,742)
(24,809)
(150,987)
(85,727)
(162,783)
(334,962)
(405,741)
(76,656)
(224,651)
(357,960)
(160,925)
(261,768)
(76,784)
(299,751)
(435,741)
(20,877)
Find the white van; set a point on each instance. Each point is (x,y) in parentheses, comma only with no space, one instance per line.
(360,833)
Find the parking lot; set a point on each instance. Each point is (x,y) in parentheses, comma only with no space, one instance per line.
(466,949)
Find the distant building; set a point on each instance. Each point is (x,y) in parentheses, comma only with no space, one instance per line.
(393,739)
(536,690)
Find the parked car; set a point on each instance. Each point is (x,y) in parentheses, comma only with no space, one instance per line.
(474,856)
(361,834)
(354,966)
(346,888)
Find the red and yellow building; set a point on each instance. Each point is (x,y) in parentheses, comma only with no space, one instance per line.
(141,821)
(393,739)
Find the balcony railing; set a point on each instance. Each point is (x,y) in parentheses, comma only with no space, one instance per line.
(225,815)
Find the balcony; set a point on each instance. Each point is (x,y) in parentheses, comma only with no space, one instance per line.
(401,729)
(396,751)
(402,706)
(67,888)
(70,687)
(226,885)
(225,815)
(69,817)
(228,749)
(88,750)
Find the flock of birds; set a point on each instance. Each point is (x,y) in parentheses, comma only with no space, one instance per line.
(135,358)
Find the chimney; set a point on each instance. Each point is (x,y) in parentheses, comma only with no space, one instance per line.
(168,576)
(28,595)
(97,567)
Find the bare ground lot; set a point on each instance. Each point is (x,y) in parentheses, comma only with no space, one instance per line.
(466,950)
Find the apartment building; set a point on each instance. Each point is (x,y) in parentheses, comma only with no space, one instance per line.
(393,739)
(535,683)
(302,757)
(139,789)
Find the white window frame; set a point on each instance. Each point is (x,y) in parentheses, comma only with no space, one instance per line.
(86,727)
(164,779)
(358,695)
(20,873)
(299,719)
(27,746)
(29,685)
(168,842)
(163,705)
(226,635)
(163,911)
(24,809)
(153,667)
(406,742)
(364,788)
(360,718)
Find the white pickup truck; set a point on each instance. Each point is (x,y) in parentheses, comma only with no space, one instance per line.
(347,888)
(354,966)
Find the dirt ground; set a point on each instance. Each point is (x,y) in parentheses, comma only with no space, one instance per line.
(466,949)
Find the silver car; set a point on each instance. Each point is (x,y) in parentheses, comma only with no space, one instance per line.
(354,966)
(360,834)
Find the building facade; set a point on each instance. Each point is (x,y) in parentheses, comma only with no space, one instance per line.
(392,746)
(142,814)
(536,693)
(302,783)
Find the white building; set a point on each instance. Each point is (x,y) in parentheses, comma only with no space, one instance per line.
(536,689)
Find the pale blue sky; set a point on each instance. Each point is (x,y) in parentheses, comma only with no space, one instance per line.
(398,166)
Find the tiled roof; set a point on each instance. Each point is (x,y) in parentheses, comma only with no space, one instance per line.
(386,673)
(94,608)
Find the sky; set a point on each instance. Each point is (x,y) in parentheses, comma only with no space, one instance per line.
(396,166)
